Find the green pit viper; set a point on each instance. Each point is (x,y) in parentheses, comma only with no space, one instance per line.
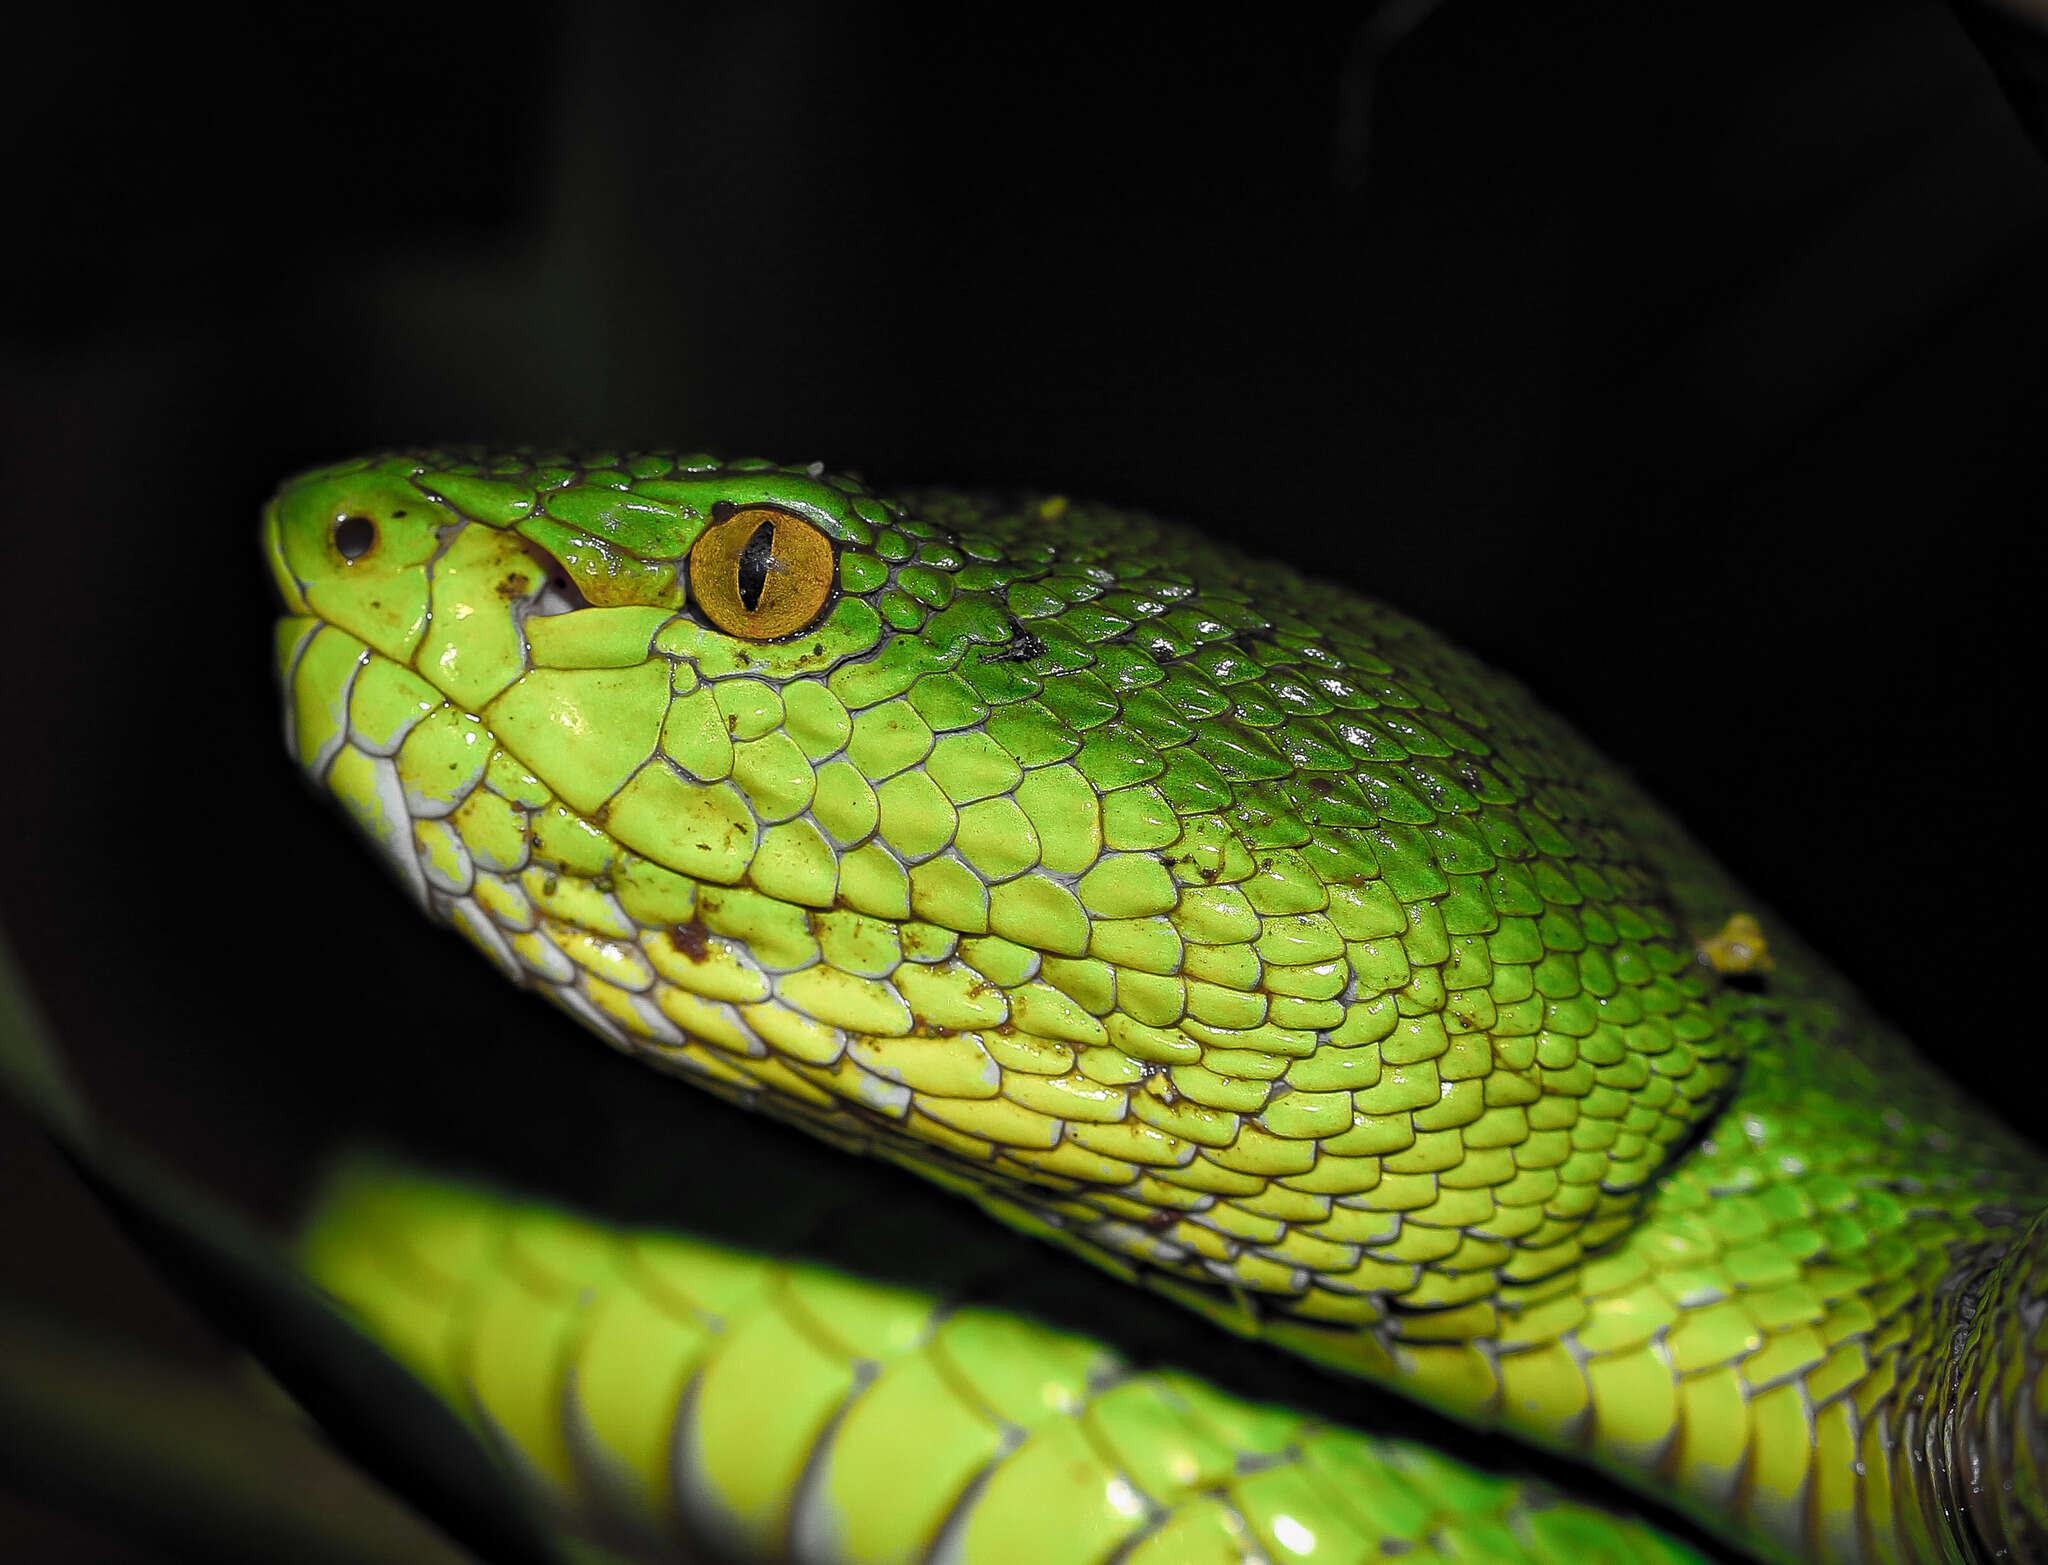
(1217,925)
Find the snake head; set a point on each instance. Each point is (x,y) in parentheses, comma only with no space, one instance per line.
(443,565)
(1202,917)
(647,645)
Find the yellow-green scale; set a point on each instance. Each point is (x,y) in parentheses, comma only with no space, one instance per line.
(1220,925)
(678,1389)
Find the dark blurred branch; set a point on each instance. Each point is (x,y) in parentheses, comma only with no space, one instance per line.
(2012,35)
(1372,41)
(61,1431)
(167,1453)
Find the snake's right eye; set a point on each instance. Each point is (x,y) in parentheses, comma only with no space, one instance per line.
(762,573)
(354,537)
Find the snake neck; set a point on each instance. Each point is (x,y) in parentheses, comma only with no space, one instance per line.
(1972,1443)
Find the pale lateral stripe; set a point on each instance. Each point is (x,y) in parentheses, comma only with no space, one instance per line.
(816,1536)
(391,832)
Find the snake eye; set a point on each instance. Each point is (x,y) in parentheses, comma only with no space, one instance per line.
(761,573)
(354,537)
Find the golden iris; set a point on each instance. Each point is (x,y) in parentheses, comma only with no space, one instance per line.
(762,574)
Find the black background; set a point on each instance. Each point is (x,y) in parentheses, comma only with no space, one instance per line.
(1691,362)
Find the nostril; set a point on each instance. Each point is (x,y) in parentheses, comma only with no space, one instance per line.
(354,537)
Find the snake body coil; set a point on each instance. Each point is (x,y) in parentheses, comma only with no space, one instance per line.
(1224,927)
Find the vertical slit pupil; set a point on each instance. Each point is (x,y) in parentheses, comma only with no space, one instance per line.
(755,559)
